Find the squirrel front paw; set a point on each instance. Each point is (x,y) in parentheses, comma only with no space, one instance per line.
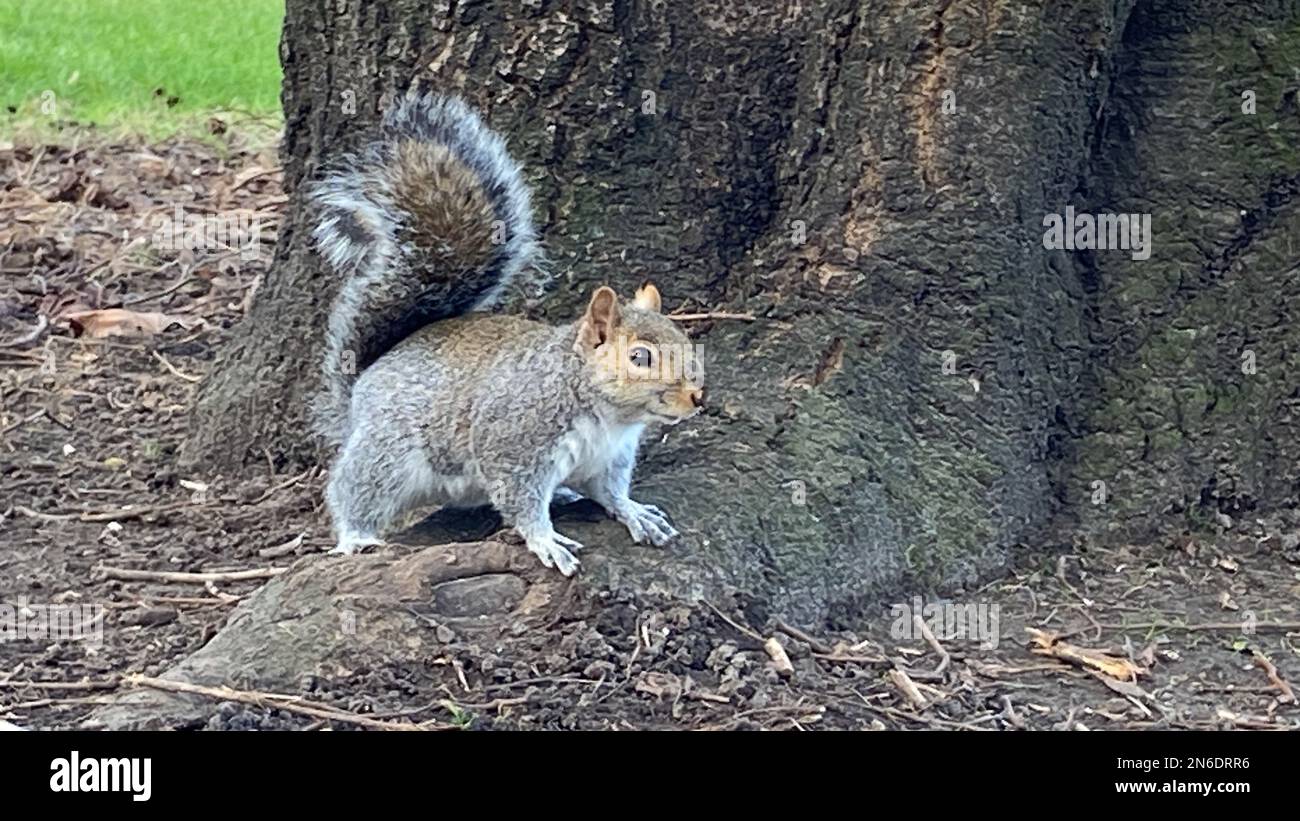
(555,551)
(350,544)
(645,522)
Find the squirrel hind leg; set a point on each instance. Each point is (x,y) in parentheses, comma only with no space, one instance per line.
(372,485)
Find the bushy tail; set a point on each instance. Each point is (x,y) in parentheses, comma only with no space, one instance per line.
(430,220)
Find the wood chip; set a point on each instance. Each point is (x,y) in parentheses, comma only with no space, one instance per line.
(1117,668)
(908,688)
(779,657)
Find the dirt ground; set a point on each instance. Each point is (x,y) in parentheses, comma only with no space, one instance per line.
(1194,631)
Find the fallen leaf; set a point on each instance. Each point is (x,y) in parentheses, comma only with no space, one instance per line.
(122,322)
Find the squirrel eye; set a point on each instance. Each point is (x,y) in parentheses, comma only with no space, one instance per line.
(641,357)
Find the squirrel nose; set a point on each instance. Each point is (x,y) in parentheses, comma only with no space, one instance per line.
(697,397)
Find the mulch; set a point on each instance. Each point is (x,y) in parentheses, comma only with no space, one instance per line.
(104,335)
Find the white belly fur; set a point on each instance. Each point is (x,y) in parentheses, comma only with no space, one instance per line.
(588,449)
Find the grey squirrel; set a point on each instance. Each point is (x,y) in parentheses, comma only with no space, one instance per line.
(428,226)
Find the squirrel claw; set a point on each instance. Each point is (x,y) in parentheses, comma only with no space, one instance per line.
(570,544)
(554,551)
(646,523)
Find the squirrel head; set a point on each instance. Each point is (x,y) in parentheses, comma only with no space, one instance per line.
(639,360)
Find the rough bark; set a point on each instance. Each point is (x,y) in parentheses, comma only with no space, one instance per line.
(1195,367)
(329,615)
(926,384)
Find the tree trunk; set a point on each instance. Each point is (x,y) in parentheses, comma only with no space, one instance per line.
(925,386)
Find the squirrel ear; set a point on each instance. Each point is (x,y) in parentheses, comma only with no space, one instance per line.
(601,318)
(647,298)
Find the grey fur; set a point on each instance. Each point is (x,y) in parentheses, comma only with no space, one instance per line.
(364,235)
(465,410)
(514,427)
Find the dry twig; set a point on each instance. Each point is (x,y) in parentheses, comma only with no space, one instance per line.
(175,577)
(1288,695)
(278,702)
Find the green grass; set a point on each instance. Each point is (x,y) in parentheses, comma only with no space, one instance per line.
(146,66)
